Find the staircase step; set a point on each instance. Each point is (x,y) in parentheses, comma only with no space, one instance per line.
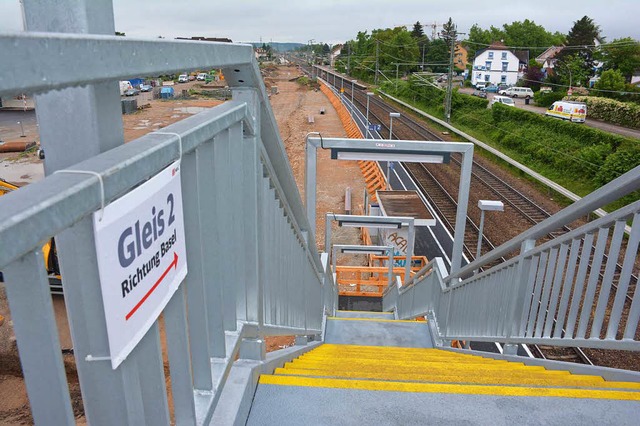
(378,332)
(407,366)
(392,386)
(364,314)
(508,378)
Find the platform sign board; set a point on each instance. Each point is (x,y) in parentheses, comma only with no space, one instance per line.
(140,247)
(375,127)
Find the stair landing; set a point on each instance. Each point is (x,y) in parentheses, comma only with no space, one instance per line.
(376,329)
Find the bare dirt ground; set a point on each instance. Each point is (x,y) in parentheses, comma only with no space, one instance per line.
(291,106)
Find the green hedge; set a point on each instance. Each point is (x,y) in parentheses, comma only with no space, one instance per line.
(548,98)
(611,111)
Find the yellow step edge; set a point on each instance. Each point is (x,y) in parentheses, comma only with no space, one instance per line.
(368,312)
(316,358)
(373,319)
(327,346)
(437,374)
(406,366)
(510,380)
(403,362)
(378,357)
(372,385)
(432,371)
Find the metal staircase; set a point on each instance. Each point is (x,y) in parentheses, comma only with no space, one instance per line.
(254,270)
(389,380)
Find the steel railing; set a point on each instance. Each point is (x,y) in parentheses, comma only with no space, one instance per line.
(570,291)
(253,266)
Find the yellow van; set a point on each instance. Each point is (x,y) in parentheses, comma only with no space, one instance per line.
(568,110)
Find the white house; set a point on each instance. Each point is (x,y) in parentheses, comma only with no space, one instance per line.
(499,65)
(335,52)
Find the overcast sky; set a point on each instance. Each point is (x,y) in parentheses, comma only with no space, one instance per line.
(334,21)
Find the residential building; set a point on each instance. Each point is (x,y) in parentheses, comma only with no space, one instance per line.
(460,57)
(548,58)
(499,65)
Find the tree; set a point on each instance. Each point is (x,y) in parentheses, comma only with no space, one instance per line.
(622,54)
(534,76)
(580,43)
(438,53)
(570,70)
(528,34)
(612,81)
(417,31)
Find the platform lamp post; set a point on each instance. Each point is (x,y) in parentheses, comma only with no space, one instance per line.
(392,115)
(369,94)
(486,205)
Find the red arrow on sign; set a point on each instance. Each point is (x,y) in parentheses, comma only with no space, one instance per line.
(173,264)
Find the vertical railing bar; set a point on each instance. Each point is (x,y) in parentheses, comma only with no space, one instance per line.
(555,292)
(176,330)
(585,257)
(194,282)
(535,302)
(222,184)
(634,314)
(567,286)
(36,334)
(236,196)
(528,295)
(607,278)
(594,276)
(546,293)
(211,247)
(153,387)
(625,277)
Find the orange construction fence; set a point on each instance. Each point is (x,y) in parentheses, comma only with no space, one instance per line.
(374,177)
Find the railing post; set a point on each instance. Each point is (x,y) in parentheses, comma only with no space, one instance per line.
(111,396)
(248,215)
(518,294)
(34,325)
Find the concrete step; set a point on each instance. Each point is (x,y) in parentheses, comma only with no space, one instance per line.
(378,332)
(364,314)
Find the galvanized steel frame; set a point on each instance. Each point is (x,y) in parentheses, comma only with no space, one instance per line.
(237,140)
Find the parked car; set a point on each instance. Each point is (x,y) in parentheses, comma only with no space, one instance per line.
(568,110)
(202,76)
(546,89)
(145,88)
(490,89)
(481,84)
(480,94)
(504,100)
(518,92)
(131,92)
(183,78)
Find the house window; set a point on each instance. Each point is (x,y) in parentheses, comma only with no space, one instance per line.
(490,55)
(504,55)
(503,79)
(486,78)
(479,76)
(488,65)
(505,65)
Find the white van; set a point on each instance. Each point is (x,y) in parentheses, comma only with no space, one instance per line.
(517,92)
(202,76)
(183,78)
(568,110)
(502,100)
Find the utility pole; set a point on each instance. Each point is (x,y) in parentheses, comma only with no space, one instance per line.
(447,105)
(449,34)
(349,59)
(375,80)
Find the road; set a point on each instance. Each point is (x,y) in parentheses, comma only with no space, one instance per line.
(607,127)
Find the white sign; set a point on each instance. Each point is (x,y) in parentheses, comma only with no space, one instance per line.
(141,258)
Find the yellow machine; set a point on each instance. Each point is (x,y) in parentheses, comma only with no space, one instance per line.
(49,250)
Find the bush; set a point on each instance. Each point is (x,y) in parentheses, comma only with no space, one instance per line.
(611,111)
(619,163)
(546,99)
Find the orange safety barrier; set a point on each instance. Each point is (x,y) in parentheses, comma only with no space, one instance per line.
(374,178)
(364,280)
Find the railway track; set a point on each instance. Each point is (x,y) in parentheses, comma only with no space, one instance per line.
(529,211)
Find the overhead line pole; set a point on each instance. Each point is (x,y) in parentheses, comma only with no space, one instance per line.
(375,79)
(447,106)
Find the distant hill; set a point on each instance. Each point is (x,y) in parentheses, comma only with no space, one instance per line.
(279,47)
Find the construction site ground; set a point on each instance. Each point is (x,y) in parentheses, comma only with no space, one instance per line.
(292,106)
